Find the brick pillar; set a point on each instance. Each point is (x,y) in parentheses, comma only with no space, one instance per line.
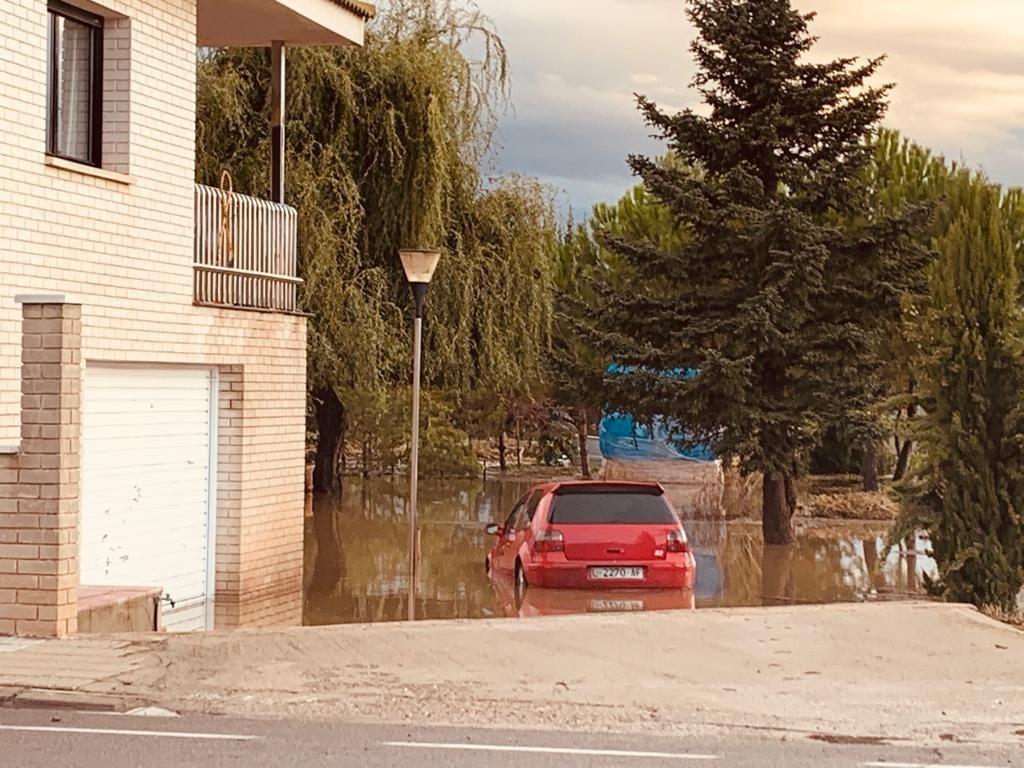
(39,485)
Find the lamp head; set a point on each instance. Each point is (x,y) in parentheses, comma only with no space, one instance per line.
(419,264)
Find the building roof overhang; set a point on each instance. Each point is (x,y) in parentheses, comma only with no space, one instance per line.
(258,23)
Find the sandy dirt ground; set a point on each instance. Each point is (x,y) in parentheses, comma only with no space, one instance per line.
(919,672)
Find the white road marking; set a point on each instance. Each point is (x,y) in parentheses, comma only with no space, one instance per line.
(883,764)
(123,732)
(549,750)
(151,712)
(137,712)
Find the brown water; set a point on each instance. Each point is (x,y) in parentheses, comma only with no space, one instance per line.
(357,567)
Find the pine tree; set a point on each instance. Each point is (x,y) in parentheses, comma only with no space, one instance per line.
(900,174)
(971,495)
(577,368)
(773,301)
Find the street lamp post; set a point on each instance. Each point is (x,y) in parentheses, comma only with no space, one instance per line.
(419,266)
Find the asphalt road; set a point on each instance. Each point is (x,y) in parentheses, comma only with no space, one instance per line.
(32,738)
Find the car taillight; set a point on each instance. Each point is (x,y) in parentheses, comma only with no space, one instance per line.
(677,542)
(549,541)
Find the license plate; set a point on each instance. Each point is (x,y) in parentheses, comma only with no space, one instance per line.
(628,574)
(602,606)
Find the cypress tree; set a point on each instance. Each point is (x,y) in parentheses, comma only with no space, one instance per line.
(773,300)
(970,496)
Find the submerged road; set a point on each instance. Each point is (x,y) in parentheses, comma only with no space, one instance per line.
(42,738)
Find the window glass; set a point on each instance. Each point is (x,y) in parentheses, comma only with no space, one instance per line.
(73,86)
(611,508)
(531,507)
(522,521)
(510,523)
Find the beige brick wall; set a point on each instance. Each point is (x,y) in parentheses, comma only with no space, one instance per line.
(117,66)
(124,251)
(39,487)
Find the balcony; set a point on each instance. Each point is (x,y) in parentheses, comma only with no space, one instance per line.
(245,248)
(246,254)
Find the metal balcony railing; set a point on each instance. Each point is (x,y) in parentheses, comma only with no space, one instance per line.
(246,255)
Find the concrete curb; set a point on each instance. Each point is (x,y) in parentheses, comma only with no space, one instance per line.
(79,701)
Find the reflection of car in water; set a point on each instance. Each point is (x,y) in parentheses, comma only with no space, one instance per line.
(535,601)
(707,541)
(710,583)
(593,535)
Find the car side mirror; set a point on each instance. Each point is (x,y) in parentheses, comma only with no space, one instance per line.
(493,529)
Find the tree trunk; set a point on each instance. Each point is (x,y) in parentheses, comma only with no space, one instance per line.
(582,428)
(502,451)
(366,458)
(903,460)
(329,563)
(905,452)
(870,556)
(910,544)
(873,563)
(778,587)
(778,503)
(330,419)
(869,467)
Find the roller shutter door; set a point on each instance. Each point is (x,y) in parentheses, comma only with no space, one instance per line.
(148,437)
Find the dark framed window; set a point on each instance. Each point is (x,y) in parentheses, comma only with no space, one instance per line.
(74,101)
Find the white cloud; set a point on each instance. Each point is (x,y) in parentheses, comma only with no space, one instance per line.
(959,66)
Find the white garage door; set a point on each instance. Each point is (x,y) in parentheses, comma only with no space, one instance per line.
(147,442)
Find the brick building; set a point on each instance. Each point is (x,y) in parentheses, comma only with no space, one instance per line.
(152,361)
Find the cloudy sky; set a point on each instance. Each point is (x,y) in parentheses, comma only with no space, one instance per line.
(959,66)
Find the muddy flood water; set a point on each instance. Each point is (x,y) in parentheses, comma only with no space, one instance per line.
(356,566)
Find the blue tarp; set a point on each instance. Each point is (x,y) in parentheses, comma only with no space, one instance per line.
(623,439)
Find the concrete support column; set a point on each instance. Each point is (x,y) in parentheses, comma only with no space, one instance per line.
(278,78)
(39,484)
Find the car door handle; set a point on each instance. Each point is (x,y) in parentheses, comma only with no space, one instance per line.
(616,551)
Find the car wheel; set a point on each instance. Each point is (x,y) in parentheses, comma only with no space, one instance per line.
(487,566)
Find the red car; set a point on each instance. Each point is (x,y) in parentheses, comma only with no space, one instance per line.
(593,535)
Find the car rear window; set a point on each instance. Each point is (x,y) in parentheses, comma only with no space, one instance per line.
(610,507)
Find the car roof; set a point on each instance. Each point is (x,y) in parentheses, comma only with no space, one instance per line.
(598,485)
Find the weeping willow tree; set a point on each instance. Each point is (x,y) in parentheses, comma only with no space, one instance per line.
(385,146)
